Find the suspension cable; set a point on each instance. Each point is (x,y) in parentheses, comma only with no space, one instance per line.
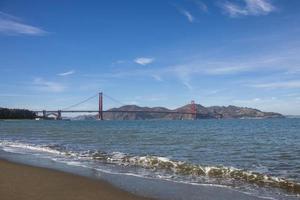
(81,102)
(115,100)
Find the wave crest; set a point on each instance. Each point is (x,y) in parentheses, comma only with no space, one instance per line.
(184,168)
(166,164)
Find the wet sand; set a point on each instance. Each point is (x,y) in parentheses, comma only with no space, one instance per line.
(22,182)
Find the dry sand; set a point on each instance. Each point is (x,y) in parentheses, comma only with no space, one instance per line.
(22,182)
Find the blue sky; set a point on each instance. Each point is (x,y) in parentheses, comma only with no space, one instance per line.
(151,53)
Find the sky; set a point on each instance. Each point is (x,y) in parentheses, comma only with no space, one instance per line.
(151,53)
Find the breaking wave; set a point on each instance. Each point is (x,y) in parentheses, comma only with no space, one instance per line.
(157,163)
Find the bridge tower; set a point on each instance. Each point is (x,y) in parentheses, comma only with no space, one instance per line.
(100,112)
(44,114)
(59,117)
(193,110)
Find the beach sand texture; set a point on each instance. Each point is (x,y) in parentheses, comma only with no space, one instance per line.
(22,182)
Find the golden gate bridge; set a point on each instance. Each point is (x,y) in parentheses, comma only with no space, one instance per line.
(58,113)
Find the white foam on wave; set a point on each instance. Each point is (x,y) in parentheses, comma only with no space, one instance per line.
(20,147)
(116,156)
(144,176)
(75,163)
(13,150)
(17,145)
(157,164)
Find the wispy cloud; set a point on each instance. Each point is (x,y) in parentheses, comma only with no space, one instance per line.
(47,86)
(227,70)
(250,7)
(277,62)
(66,73)
(255,68)
(278,85)
(295,71)
(16,95)
(247,101)
(11,25)
(143,60)
(233,10)
(187,14)
(187,71)
(202,6)
(119,62)
(157,77)
(259,7)
(157,97)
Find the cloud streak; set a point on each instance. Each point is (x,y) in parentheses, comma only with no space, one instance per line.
(188,71)
(253,68)
(66,73)
(202,6)
(11,25)
(279,85)
(187,14)
(144,60)
(249,8)
(48,86)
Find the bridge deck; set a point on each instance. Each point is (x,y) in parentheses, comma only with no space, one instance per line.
(113,111)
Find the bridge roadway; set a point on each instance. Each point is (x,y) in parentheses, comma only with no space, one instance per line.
(113,111)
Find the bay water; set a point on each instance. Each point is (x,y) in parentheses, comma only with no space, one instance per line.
(257,157)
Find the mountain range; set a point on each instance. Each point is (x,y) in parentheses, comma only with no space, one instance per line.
(212,112)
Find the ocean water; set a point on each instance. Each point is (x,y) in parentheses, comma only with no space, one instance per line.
(260,158)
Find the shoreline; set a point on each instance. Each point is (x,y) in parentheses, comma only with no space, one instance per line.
(20,181)
(157,160)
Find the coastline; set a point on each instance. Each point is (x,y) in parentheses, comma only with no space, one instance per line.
(115,152)
(31,182)
(19,181)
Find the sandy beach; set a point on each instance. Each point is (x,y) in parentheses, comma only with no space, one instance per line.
(22,182)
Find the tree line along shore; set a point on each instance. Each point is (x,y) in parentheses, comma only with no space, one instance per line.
(6,113)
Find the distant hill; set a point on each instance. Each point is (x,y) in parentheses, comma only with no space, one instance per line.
(293,116)
(6,113)
(213,112)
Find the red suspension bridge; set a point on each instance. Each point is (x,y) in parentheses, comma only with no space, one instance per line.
(58,113)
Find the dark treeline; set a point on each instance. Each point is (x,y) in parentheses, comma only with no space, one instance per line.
(6,113)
